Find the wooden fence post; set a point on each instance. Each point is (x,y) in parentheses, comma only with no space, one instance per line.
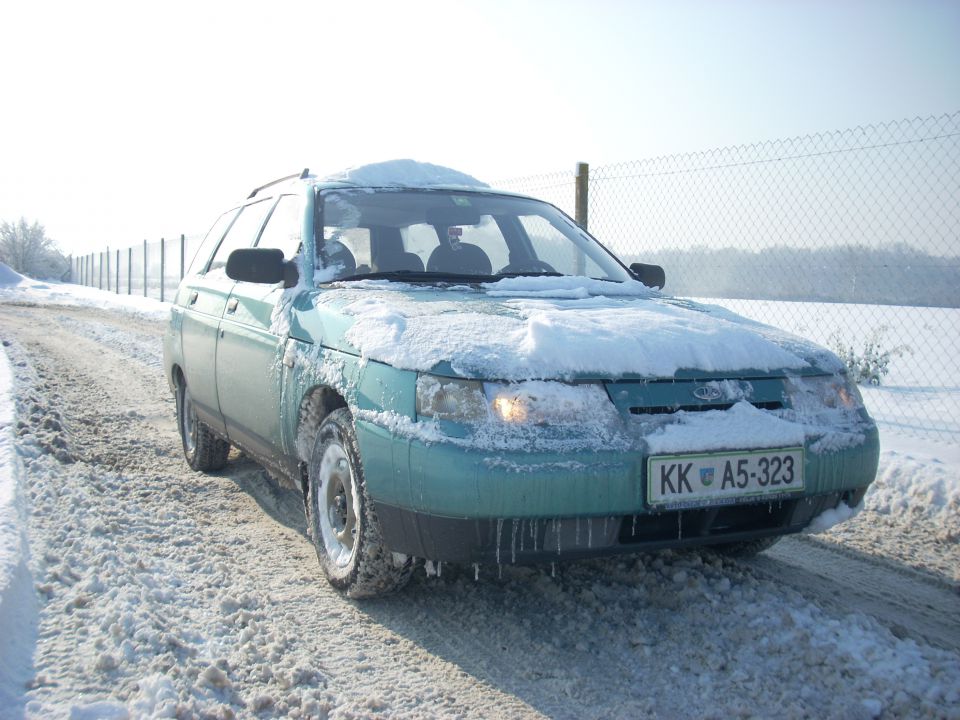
(582,207)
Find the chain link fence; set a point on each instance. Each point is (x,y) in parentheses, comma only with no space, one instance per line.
(850,238)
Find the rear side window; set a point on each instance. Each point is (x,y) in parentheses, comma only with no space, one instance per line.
(241,234)
(210,241)
(284,226)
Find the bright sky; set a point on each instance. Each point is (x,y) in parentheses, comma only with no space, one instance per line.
(129,121)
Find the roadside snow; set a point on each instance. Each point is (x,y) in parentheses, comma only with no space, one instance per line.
(15,288)
(17,603)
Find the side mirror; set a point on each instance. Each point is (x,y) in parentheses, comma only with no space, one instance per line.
(261,265)
(650,275)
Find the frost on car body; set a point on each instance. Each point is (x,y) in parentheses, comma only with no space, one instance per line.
(458,374)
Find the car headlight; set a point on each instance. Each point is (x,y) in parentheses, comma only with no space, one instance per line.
(832,391)
(533,402)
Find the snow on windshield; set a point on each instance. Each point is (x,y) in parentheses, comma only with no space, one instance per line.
(404,173)
(522,338)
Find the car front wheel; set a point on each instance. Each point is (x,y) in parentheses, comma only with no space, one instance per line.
(344,526)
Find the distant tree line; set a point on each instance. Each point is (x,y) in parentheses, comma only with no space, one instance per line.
(894,275)
(27,249)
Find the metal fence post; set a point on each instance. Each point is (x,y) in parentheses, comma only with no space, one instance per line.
(116,285)
(163,263)
(130,270)
(107,254)
(183,247)
(144,268)
(100,271)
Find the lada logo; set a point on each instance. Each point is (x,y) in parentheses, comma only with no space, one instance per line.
(707,393)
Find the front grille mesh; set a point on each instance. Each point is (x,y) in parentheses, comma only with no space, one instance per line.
(668,409)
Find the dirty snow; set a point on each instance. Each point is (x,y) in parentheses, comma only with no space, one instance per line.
(162,592)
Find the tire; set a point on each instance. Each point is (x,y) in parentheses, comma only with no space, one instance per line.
(203,450)
(342,522)
(746,548)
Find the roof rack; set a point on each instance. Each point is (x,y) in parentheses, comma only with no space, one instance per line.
(300,175)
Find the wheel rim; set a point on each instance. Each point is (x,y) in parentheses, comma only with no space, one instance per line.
(188,421)
(336,505)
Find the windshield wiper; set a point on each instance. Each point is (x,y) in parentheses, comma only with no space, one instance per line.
(414,276)
(530,273)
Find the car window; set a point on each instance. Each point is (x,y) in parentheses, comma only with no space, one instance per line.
(552,247)
(210,241)
(241,234)
(283,228)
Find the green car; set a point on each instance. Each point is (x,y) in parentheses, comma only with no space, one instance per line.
(456,374)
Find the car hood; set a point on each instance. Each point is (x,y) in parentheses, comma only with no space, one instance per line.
(548,328)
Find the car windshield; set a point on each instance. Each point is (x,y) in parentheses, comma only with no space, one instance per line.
(438,235)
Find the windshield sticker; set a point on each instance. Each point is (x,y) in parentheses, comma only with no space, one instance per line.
(461,201)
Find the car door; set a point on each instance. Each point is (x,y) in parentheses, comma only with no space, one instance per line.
(205,298)
(251,346)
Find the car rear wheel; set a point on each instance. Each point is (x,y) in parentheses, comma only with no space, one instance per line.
(344,526)
(746,548)
(202,449)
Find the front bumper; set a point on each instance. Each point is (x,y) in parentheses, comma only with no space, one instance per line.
(442,501)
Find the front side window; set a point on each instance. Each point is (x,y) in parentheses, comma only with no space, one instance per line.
(432,235)
(241,234)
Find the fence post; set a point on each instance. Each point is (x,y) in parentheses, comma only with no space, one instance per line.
(163,263)
(582,207)
(183,247)
(100,271)
(144,268)
(116,285)
(130,270)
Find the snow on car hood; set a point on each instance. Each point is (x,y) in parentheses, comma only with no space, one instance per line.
(560,328)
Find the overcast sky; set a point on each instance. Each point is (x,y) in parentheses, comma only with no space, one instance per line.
(127,121)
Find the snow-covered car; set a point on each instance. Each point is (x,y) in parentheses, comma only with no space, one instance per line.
(456,374)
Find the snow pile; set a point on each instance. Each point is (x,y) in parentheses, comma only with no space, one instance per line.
(911,485)
(537,338)
(566,287)
(404,173)
(9,276)
(17,612)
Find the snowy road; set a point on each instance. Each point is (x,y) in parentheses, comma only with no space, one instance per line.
(166,592)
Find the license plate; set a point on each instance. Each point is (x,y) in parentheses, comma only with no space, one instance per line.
(678,481)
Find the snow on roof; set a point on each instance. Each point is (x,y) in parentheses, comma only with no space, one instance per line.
(404,173)
(9,276)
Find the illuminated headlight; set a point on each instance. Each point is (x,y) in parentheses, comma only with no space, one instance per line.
(834,391)
(539,402)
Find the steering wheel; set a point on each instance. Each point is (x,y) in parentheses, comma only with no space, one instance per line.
(530,265)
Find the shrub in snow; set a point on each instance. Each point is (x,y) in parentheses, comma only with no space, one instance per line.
(870,365)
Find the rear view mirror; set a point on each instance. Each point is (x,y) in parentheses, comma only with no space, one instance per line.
(452,216)
(261,265)
(650,275)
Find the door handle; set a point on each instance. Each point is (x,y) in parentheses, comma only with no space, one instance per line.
(193,297)
(232,305)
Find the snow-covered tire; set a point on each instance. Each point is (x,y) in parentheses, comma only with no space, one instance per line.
(746,548)
(202,449)
(344,526)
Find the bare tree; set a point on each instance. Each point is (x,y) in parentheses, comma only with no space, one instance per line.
(27,249)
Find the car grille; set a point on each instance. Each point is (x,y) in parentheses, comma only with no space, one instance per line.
(667,409)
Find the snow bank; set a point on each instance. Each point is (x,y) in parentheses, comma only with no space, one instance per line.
(521,337)
(17,608)
(404,173)
(917,485)
(9,276)
(16,288)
